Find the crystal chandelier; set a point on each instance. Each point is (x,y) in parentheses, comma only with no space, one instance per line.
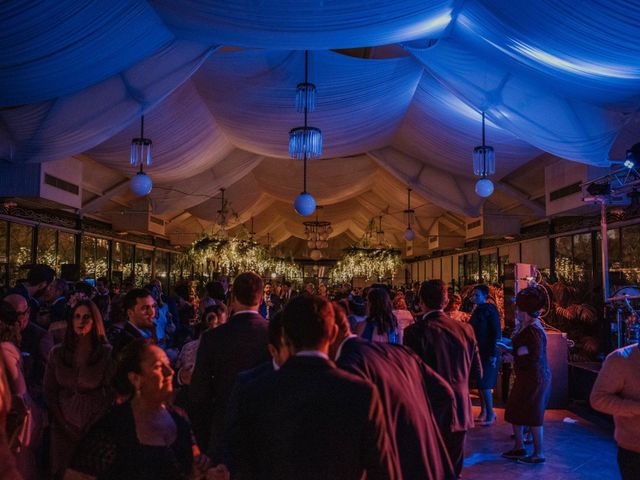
(317,233)
(305,140)
(484,164)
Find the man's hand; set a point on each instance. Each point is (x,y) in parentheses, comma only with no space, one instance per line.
(200,465)
(219,472)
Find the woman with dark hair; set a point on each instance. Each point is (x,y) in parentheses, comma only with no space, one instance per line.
(485,321)
(77,382)
(530,393)
(142,438)
(213,316)
(381,324)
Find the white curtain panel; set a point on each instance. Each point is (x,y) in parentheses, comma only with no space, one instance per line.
(311,25)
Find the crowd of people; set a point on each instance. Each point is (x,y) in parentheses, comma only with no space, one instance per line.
(255,380)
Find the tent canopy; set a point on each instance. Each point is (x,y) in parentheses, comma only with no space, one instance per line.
(400,91)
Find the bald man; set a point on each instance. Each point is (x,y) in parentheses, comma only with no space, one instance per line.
(36,341)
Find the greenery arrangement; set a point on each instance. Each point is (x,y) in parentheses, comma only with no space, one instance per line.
(368,263)
(232,256)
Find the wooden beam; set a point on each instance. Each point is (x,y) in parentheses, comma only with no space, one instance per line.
(536,209)
(94,205)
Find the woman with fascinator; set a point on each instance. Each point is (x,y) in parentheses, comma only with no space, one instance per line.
(530,394)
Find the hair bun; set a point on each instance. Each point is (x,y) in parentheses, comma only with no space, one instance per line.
(531,300)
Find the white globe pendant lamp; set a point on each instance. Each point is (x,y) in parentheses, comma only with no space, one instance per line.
(484,164)
(141,184)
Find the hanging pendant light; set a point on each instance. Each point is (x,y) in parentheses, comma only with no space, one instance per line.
(409,233)
(380,240)
(484,164)
(140,154)
(305,142)
(221,218)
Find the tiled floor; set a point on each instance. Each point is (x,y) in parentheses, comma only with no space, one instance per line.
(574,451)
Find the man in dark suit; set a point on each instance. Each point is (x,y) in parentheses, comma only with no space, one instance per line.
(238,345)
(286,293)
(139,306)
(309,419)
(414,432)
(279,355)
(271,303)
(450,348)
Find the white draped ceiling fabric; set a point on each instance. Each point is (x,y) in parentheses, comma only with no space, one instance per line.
(216,81)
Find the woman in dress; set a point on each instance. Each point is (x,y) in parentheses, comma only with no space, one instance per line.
(143,438)
(26,420)
(485,321)
(213,316)
(453,308)
(381,324)
(77,382)
(530,393)
(402,313)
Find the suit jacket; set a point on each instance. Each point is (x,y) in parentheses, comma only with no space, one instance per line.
(223,453)
(238,345)
(485,321)
(450,348)
(311,420)
(127,335)
(269,312)
(413,430)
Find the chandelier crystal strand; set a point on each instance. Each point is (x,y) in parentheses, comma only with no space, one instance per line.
(140,148)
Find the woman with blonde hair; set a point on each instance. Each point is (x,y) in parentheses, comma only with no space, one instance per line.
(77,382)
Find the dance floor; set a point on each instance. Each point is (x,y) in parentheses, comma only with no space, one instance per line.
(574,451)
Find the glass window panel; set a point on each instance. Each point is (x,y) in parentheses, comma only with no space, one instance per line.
(630,264)
(162,268)
(88,257)
(461,277)
(489,268)
(127,262)
(564,259)
(20,244)
(66,247)
(4,258)
(177,269)
(102,257)
(502,262)
(472,268)
(616,271)
(144,259)
(47,251)
(582,258)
